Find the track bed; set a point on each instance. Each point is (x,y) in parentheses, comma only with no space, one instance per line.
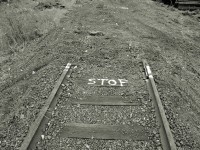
(102,115)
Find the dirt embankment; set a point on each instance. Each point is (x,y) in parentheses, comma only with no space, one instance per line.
(162,35)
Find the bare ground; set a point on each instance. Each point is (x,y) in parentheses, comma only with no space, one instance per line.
(148,30)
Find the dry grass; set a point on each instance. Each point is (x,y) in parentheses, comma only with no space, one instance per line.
(20,23)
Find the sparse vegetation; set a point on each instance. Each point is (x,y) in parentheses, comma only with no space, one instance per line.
(20,24)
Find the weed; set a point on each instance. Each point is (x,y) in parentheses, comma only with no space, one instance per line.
(19,26)
(21,22)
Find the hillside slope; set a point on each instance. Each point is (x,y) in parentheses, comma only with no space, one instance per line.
(95,30)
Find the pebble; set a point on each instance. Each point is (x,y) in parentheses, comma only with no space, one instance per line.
(198,126)
(42,136)
(78,143)
(39,148)
(96,33)
(87,146)
(157,135)
(158,142)
(178,144)
(48,137)
(126,144)
(154,132)
(181,143)
(2,135)
(3,144)
(22,116)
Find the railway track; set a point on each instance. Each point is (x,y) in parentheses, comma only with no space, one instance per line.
(102,107)
(187,4)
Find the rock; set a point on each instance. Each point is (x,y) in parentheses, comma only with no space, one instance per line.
(48,137)
(126,144)
(159,148)
(154,132)
(158,143)
(78,143)
(39,148)
(181,143)
(124,7)
(2,135)
(87,146)
(157,135)
(178,144)
(3,144)
(22,116)
(96,33)
(42,136)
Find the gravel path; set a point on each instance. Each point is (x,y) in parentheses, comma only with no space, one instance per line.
(65,112)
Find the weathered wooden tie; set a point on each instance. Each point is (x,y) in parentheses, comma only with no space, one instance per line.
(105,132)
(108,101)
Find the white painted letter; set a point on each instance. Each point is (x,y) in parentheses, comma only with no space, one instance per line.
(112,82)
(102,81)
(122,81)
(91,81)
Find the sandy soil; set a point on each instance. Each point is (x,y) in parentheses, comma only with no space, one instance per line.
(136,29)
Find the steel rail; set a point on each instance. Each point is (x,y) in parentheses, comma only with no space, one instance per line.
(167,139)
(37,123)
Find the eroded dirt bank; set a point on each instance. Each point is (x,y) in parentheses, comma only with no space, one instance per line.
(99,30)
